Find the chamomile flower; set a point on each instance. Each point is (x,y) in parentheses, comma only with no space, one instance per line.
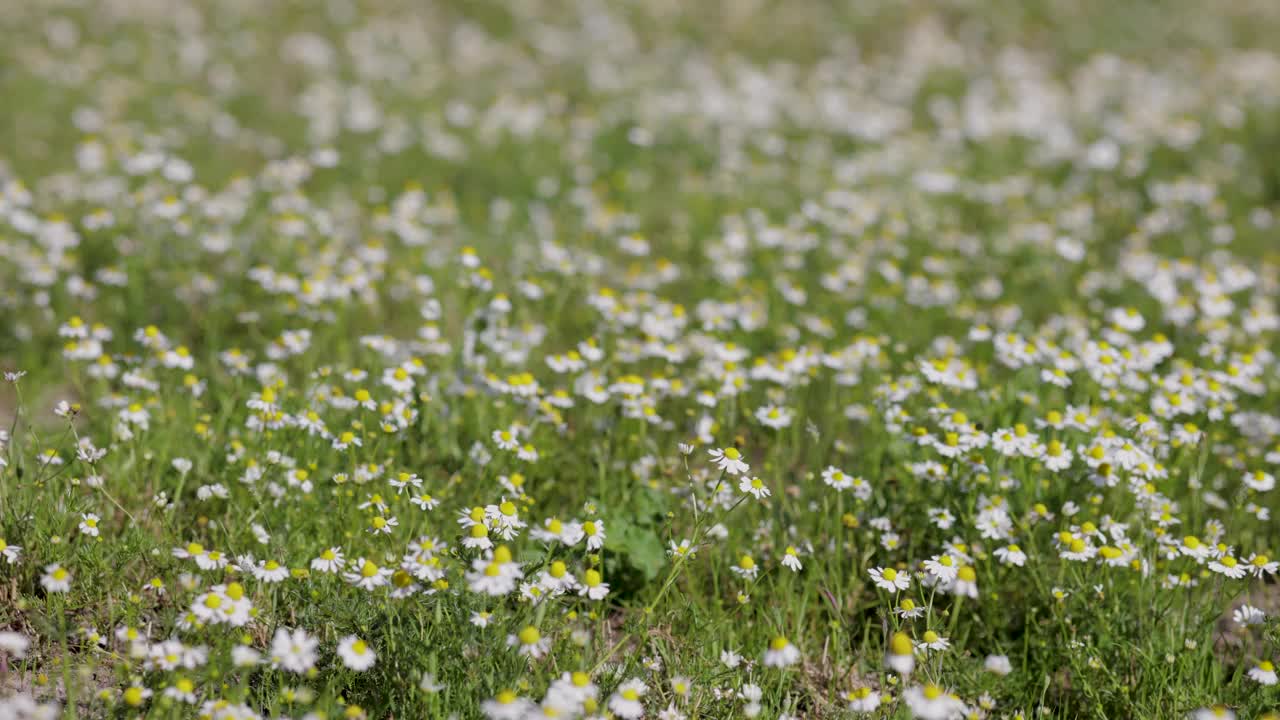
(366,574)
(773,416)
(997,664)
(1230,567)
(56,579)
(507,706)
(530,643)
(270,571)
(356,653)
(10,553)
(930,702)
(941,568)
(900,656)
(931,641)
(593,586)
(1248,615)
(908,610)
(791,559)
(625,702)
(1264,673)
(89,524)
(593,531)
(729,460)
(294,650)
(1011,555)
(781,653)
(890,579)
(863,700)
(330,560)
(754,487)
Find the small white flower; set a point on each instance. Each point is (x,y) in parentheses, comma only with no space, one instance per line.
(356,653)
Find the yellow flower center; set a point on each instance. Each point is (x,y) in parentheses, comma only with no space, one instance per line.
(133,696)
(530,635)
(900,644)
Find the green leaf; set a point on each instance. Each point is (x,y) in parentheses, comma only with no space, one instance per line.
(640,546)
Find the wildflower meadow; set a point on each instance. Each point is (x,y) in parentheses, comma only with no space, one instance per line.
(669,359)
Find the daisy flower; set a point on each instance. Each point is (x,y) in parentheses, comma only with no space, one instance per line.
(10,553)
(15,644)
(1264,673)
(998,664)
(941,567)
(1229,566)
(863,700)
(294,650)
(625,701)
(592,585)
(329,561)
(1011,555)
(930,702)
(507,706)
(270,571)
(908,610)
(932,642)
(900,657)
(746,568)
(530,643)
(367,575)
(890,579)
(89,524)
(781,653)
(791,559)
(356,653)
(754,487)
(593,531)
(836,478)
(966,583)
(1247,615)
(773,416)
(56,579)
(729,460)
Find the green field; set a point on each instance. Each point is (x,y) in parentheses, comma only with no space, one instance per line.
(601,359)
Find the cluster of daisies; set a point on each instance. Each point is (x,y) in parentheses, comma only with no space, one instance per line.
(573,369)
